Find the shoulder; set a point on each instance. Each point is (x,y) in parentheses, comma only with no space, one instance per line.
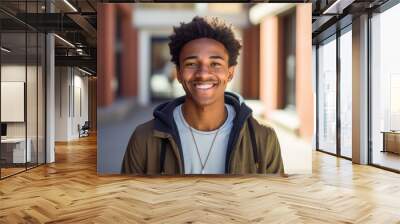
(145,128)
(142,132)
(136,150)
(262,130)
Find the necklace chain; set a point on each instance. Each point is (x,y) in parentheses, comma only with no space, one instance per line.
(203,165)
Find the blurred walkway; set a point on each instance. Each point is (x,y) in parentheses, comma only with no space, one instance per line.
(114,132)
(296,153)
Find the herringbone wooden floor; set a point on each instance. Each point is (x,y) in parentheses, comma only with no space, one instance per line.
(70,191)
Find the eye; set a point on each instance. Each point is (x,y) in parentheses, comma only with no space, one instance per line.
(215,64)
(190,64)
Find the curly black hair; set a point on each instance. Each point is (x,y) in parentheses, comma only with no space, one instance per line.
(200,27)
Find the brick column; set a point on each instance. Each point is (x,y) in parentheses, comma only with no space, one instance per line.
(129,74)
(304,94)
(271,64)
(251,62)
(105,53)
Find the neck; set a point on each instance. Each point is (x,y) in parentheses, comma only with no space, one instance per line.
(204,118)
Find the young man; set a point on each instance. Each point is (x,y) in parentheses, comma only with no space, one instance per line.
(207,131)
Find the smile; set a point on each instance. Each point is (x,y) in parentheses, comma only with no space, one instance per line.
(204,86)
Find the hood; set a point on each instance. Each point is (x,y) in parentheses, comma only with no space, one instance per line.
(163,113)
(164,121)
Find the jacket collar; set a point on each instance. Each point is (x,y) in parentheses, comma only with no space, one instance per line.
(165,126)
(164,119)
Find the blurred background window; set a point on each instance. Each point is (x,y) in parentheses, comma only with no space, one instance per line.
(289,24)
(118,56)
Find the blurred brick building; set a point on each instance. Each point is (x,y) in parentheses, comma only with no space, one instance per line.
(274,67)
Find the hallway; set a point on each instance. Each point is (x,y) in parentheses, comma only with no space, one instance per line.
(70,191)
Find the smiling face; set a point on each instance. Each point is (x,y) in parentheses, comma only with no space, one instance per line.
(204,71)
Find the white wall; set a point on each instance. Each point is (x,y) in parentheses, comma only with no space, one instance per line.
(61,103)
(80,94)
(13,73)
(70,83)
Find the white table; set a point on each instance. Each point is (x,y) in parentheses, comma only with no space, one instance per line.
(18,145)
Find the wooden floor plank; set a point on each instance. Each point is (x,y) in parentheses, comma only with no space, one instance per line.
(70,191)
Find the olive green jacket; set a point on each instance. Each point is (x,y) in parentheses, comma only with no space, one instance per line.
(154,147)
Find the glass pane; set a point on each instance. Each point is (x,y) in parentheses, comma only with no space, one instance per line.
(31,98)
(346,94)
(13,86)
(327,96)
(386,89)
(41,98)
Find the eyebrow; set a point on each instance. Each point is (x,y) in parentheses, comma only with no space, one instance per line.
(189,57)
(212,57)
(217,57)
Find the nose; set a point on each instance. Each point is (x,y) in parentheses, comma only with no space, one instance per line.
(203,70)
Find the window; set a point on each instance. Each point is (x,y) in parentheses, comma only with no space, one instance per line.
(289,22)
(346,93)
(163,82)
(385,89)
(327,95)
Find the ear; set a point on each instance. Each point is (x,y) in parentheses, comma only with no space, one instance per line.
(178,74)
(231,72)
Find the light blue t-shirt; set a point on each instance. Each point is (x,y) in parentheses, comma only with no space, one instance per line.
(216,161)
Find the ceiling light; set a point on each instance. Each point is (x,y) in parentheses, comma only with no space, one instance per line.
(337,7)
(79,51)
(5,50)
(84,71)
(64,40)
(70,5)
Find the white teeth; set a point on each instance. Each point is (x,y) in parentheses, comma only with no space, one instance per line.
(204,86)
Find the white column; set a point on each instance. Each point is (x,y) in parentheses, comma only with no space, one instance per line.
(144,68)
(360,90)
(50,99)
